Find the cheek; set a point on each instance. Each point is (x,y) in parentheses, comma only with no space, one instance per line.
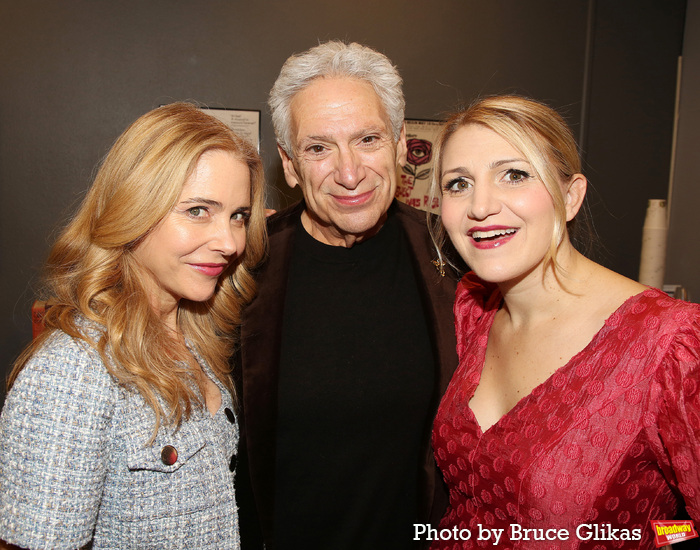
(384,164)
(540,201)
(184,240)
(240,238)
(240,245)
(452,213)
(535,208)
(314,174)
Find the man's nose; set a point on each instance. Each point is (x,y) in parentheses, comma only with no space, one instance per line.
(350,170)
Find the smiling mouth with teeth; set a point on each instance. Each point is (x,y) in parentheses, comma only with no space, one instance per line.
(479,236)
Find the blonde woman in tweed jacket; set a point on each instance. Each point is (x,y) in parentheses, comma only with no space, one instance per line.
(119,428)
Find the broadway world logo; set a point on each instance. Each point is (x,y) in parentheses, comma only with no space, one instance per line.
(670,532)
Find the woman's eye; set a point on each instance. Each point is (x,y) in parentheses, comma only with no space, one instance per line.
(239,217)
(456,185)
(197,211)
(516,176)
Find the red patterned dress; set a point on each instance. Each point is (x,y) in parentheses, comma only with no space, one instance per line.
(610,441)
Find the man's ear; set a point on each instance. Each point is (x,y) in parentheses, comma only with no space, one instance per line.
(401,147)
(290,171)
(575,193)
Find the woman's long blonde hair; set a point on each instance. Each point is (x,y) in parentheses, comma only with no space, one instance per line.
(91,270)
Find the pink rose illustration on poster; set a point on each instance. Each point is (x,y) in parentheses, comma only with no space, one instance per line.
(420,151)
(413,180)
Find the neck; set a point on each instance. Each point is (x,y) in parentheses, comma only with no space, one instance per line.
(327,234)
(169,318)
(544,292)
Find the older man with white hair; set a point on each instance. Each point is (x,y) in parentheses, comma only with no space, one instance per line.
(350,342)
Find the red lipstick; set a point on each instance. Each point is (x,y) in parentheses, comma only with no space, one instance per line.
(491,236)
(210,270)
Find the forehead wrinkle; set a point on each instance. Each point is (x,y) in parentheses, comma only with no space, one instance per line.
(335,109)
(356,135)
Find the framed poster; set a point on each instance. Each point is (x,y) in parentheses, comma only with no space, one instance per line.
(414,178)
(245,123)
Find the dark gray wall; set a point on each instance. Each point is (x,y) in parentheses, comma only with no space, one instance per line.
(629,130)
(74,73)
(683,252)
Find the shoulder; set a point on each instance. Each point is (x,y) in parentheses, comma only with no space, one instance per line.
(285,220)
(473,299)
(64,385)
(414,226)
(676,322)
(658,312)
(664,329)
(61,349)
(410,217)
(63,366)
(281,228)
(474,296)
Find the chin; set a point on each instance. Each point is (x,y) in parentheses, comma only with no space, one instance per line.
(364,221)
(490,277)
(501,274)
(199,297)
(360,229)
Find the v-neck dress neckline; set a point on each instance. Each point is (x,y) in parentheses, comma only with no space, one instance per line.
(488,319)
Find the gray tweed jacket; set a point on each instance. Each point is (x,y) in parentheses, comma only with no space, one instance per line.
(75,466)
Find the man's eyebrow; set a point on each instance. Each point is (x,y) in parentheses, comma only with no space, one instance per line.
(307,139)
(356,135)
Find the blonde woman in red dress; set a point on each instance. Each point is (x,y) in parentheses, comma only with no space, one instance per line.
(573,419)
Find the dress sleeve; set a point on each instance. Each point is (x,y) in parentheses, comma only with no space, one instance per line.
(53,439)
(679,412)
